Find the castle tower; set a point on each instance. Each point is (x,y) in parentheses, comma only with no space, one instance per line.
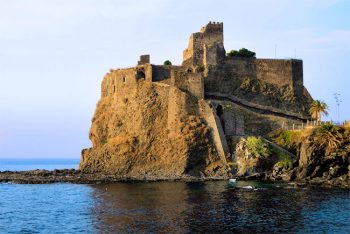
(206,47)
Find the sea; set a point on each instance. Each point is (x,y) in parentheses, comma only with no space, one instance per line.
(167,207)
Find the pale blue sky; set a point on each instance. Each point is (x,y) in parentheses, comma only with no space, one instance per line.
(53,55)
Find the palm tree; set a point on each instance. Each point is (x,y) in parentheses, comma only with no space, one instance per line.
(317,108)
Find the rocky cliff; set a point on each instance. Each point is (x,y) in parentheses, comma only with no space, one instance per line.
(152,129)
(323,155)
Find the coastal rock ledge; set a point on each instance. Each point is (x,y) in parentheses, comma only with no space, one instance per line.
(78,177)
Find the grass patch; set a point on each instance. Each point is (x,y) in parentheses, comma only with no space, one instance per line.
(285,161)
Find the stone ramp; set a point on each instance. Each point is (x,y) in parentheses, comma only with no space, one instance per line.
(279,147)
(217,131)
(255,107)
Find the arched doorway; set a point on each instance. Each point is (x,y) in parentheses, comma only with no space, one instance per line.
(220,114)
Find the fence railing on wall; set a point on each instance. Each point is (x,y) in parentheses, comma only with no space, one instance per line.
(311,124)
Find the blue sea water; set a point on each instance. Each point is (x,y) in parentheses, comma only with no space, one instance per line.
(173,207)
(7,164)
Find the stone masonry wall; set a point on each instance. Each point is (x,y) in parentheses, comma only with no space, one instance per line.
(115,79)
(172,75)
(161,73)
(280,73)
(188,81)
(210,35)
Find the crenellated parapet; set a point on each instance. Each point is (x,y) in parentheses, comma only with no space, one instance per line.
(213,27)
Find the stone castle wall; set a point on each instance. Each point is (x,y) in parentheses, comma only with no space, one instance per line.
(281,72)
(178,76)
(115,79)
(278,72)
(210,36)
(188,82)
(205,64)
(206,68)
(161,73)
(206,53)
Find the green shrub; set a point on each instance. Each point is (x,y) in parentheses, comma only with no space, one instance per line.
(245,53)
(167,63)
(258,147)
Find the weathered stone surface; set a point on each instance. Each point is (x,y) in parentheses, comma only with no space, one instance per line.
(151,129)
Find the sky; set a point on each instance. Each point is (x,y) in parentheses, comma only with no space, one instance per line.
(53,55)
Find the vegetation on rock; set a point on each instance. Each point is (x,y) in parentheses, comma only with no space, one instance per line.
(167,63)
(257,147)
(329,136)
(289,140)
(254,154)
(323,153)
(245,53)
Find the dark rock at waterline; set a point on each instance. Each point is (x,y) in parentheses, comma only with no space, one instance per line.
(315,167)
(78,177)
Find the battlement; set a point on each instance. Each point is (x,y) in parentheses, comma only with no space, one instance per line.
(144,59)
(213,27)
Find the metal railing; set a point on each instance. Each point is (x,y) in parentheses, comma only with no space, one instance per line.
(311,124)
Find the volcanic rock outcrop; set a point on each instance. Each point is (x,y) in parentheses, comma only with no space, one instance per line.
(152,129)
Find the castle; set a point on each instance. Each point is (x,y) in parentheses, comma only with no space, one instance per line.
(207,69)
(232,96)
